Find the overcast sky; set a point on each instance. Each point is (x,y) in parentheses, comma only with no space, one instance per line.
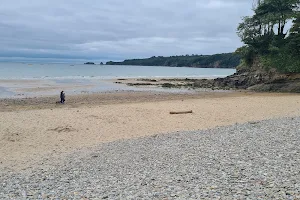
(105,30)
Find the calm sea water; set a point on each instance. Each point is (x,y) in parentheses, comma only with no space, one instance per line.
(67,71)
(28,80)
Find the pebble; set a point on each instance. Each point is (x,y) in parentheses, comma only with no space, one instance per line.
(245,161)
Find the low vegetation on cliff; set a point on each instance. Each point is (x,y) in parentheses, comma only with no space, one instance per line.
(226,60)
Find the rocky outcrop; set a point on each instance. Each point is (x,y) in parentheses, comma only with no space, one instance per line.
(255,78)
(236,81)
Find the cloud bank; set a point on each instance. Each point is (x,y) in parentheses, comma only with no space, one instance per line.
(117,29)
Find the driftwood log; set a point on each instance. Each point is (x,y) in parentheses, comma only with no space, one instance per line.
(181,112)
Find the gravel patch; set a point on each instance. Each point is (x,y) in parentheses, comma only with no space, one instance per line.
(256,160)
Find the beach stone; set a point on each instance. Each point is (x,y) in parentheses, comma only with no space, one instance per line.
(245,161)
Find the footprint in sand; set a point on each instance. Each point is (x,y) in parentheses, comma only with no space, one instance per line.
(65,129)
(12,137)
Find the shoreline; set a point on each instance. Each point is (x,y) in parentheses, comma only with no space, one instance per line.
(30,88)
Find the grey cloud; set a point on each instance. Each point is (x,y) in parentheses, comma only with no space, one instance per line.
(118,29)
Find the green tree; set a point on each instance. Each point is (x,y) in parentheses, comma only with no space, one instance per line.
(276,12)
(294,37)
(265,33)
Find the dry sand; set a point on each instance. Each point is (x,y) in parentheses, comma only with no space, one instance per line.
(33,129)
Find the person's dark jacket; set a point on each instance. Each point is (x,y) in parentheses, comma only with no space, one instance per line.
(62,95)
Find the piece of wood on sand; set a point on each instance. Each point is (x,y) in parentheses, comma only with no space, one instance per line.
(181,112)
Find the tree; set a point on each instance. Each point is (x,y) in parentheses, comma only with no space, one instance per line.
(268,14)
(276,12)
(265,33)
(294,37)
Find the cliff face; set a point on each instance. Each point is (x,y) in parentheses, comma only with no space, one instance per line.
(255,78)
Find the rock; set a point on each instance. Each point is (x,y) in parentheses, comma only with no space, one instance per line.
(139,84)
(256,79)
(168,85)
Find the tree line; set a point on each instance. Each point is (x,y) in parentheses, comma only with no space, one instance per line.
(269,37)
(226,60)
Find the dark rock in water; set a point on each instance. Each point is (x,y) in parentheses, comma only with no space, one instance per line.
(89,63)
(101,63)
(139,84)
(168,85)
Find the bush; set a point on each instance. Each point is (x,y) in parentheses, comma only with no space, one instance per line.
(248,55)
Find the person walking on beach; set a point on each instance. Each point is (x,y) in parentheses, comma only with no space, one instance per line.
(62,97)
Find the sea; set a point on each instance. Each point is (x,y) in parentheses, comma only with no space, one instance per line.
(38,79)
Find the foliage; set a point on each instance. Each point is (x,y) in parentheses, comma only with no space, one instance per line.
(227,60)
(247,53)
(294,38)
(266,35)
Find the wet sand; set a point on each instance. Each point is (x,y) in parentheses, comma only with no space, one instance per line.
(24,88)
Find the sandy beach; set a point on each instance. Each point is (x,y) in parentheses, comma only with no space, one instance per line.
(36,128)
